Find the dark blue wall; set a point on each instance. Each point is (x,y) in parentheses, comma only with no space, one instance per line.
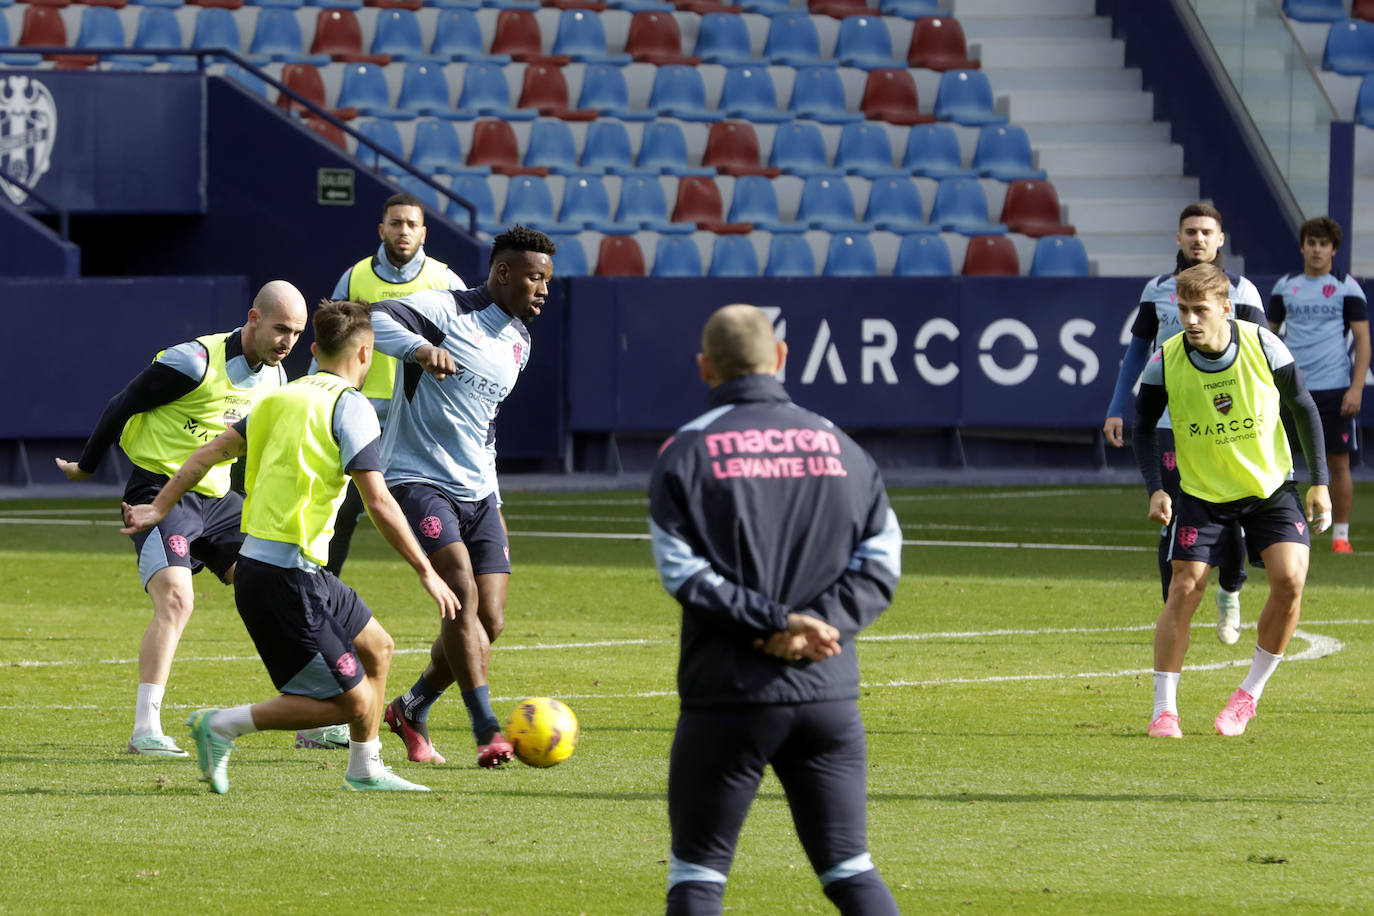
(31,248)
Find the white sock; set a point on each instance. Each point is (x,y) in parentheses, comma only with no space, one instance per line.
(232,722)
(1261,669)
(365,758)
(148,710)
(1340,532)
(1166,692)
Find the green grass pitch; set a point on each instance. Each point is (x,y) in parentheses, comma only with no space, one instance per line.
(1006,695)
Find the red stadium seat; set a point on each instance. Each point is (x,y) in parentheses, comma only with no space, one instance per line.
(654,38)
(699,201)
(413,5)
(339,34)
(839,8)
(305,80)
(732,148)
(620,256)
(890,95)
(545,88)
(494,145)
(991,255)
(1031,207)
(327,130)
(43,26)
(1363,9)
(517,34)
(221,4)
(937,43)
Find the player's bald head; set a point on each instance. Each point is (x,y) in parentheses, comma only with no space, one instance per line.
(738,340)
(278,299)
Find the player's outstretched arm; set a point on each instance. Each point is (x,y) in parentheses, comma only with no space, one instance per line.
(1161,507)
(227,446)
(391,522)
(1318,508)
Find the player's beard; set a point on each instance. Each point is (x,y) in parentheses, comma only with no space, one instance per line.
(1183,261)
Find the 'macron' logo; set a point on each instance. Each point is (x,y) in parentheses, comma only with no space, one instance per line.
(1187,536)
(1222,402)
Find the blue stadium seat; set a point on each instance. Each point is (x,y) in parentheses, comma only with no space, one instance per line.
(398,34)
(748,94)
(765,7)
(828,203)
(789,256)
(277,37)
(799,149)
(570,258)
(676,256)
(1004,153)
(733,256)
(756,201)
(437,149)
(923,255)
(1059,256)
(643,203)
(865,42)
(604,89)
(910,9)
(607,148)
(850,254)
(486,92)
(100,28)
(476,190)
(1350,48)
(865,149)
(551,145)
(431,198)
(528,202)
(818,95)
(384,134)
(793,40)
(723,38)
(586,205)
(932,151)
(216,28)
(158,29)
(246,78)
(582,37)
(1314,10)
(965,97)
(678,92)
(961,206)
(424,91)
(458,36)
(663,149)
(1364,103)
(894,205)
(364,88)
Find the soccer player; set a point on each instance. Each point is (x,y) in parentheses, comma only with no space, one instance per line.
(1318,309)
(1224,379)
(399,267)
(1199,242)
(302,443)
(190,394)
(461,353)
(773,531)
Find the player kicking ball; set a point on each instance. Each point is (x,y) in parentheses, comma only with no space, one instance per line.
(323,649)
(1223,380)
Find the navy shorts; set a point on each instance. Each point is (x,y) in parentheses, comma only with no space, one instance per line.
(1338,431)
(438,520)
(303,624)
(199,531)
(1197,528)
(817,750)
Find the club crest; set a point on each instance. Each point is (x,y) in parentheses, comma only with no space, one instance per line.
(1329,290)
(28,126)
(518,348)
(1222,402)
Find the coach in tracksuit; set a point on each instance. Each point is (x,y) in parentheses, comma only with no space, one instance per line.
(772,528)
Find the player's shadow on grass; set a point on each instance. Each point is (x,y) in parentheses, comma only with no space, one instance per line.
(1021,798)
(580,795)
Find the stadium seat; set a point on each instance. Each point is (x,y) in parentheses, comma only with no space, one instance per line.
(1314,10)
(838,9)
(923,256)
(1031,207)
(607,148)
(158,30)
(678,92)
(865,149)
(909,9)
(961,206)
(216,28)
(486,92)
(654,38)
(493,144)
(586,205)
(755,201)
(1364,102)
(932,151)
(216,4)
(517,34)
(42,26)
(604,90)
(794,41)
(619,256)
(330,132)
(551,145)
(305,81)
(890,95)
(1004,152)
(528,202)
(1349,48)
(251,82)
(894,205)
(732,148)
(432,199)
(1059,256)
(676,256)
(339,34)
(965,97)
(850,254)
(364,87)
(765,7)
(383,134)
(424,91)
(476,190)
(544,89)
(828,203)
(642,203)
(15,60)
(748,94)
(799,149)
(581,37)
(698,201)
(277,37)
(1362,9)
(733,256)
(398,35)
(101,28)
(436,149)
(458,36)
(864,42)
(723,38)
(570,258)
(789,256)
(991,255)
(663,149)
(818,95)
(938,43)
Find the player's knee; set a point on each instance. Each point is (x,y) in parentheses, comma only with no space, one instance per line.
(1186,589)
(175,605)
(1285,585)
(494,620)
